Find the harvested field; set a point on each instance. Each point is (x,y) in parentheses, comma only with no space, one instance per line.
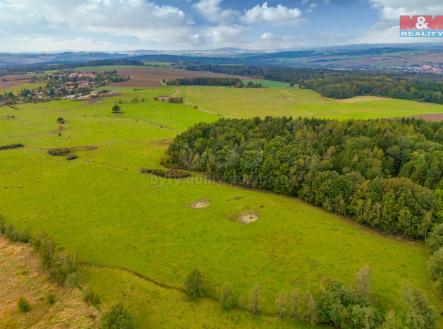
(431,117)
(14,80)
(153,76)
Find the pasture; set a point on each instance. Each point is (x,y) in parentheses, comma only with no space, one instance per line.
(120,222)
(295,102)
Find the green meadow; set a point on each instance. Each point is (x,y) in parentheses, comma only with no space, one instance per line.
(244,103)
(119,221)
(16,89)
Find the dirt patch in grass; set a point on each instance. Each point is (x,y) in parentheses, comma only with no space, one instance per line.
(431,117)
(153,76)
(248,217)
(200,204)
(22,275)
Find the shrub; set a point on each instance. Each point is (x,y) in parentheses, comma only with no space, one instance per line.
(194,284)
(71,156)
(59,152)
(255,299)
(227,298)
(117,318)
(420,315)
(435,239)
(363,285)
(282,304)
(309,309)
(12,233)
(294,305)
(116,109)
(51,299)
(59,263)
(2,224)
(357,316)
(23,305)
(91,298)
(171,174)
(392,321)
(436,268)
(73,280)
(24,236)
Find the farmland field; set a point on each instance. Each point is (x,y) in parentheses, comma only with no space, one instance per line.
(246,103)
(120,222)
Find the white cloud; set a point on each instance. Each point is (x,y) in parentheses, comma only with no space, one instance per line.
(134,18)
(51,25)
(226,36)
(392,9)
(387,29)
(277,15)
(212,11)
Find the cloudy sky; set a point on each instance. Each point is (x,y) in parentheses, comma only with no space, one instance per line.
(113,25)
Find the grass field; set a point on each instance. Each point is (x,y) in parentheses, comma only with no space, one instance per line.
(104,210)
(269,83)
(299,102)
(16,89)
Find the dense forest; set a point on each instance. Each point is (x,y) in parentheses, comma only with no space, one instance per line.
(342,84)
(387,174)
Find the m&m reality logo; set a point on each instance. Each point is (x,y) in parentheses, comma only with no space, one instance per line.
(421,26)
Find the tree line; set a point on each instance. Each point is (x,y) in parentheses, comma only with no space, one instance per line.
(213,81)
(335,304)
(387,174)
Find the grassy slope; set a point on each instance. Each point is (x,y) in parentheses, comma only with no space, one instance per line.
(123,218)
(16,89)
(299,102)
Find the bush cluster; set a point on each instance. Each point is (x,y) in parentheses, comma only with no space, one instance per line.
(12,233)
(171,174)
(60,264)
(60,152)
(435,242)
(11,146)
(71,156)
(117,318)
(23,305)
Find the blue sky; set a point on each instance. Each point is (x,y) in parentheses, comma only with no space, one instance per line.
(117,25)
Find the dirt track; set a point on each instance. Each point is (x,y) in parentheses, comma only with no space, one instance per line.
(152,76)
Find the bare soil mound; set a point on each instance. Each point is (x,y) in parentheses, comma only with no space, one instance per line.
(201,204)
(248,217)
